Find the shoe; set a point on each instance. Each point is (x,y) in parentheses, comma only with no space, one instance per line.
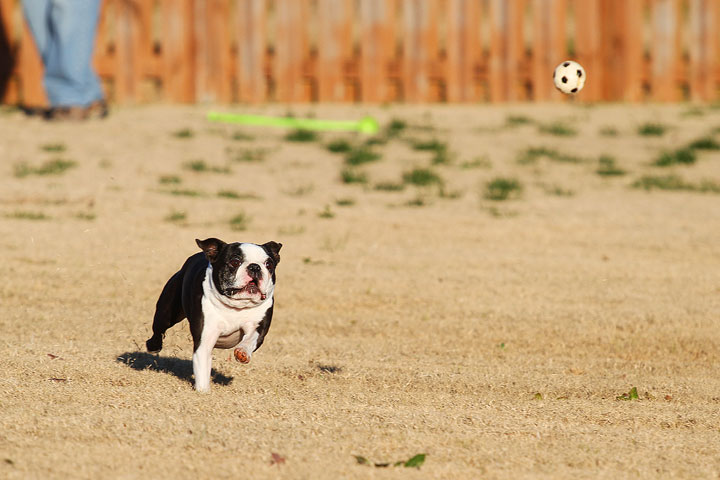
(59,114)
(97,109)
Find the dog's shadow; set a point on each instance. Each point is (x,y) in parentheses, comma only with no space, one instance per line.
(177,367)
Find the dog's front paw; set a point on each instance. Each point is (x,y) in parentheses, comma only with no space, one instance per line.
(241,355)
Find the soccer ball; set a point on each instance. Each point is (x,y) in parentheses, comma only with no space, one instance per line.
(569,77)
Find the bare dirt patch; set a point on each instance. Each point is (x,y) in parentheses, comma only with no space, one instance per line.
(493,311)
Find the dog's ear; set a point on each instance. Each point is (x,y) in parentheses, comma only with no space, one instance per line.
(273,249)
(211,247)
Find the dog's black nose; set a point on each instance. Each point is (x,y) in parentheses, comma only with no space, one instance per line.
(254,270)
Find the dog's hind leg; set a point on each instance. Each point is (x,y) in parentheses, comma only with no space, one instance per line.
(168,311)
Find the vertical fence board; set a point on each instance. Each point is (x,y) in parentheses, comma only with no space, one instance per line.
(702,49)
(178,50)
(665,19)
(463,49)
(550,44)
(631,50)
(212,51)
(290,48)
(498,51)
(376,47)
(251,19)
(333,46)
(416,46)
(588,45)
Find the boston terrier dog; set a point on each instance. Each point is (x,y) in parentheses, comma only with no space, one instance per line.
(226,293)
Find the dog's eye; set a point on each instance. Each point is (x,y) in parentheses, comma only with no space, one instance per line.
(269,264)
(234,262)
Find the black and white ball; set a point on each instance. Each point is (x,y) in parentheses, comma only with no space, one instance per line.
(569,77)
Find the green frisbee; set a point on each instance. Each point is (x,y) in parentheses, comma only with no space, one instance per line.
(366,125)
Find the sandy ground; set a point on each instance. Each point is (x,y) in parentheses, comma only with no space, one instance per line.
(496,337)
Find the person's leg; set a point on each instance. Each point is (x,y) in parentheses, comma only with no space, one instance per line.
(70,79)
(37,14)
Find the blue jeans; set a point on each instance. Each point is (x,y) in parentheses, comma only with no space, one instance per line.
(64,32)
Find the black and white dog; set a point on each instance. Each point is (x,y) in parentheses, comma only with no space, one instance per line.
(226,293)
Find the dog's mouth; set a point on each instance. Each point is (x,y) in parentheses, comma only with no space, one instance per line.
(252,288)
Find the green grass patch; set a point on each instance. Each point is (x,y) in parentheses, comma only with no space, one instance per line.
(441,152)
(681,156)
(414,462)
(232,194)
(558,129)
(87,216)
(502,188)
(345,202)
(301,135)
(558,191)
(300,190)
(181,192)
(360,156)
(51,167)
(418,201)
(422,177)
(704,143)
(176,216)
(532,154)
(170,180)
(183,133)
(240,136)
(376,140)
(477,162)
(202,166)
(340,145)
(608,168)
(389,187)
(652,129)
(247,155)
(518,120)
(27,215)
(631,395)
(675,183)
(351,175)
(609,132)
(395,128)
(240,222)
(53,147)
(326,213)
(432,145)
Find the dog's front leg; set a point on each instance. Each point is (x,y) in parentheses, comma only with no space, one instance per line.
(244,349)
(202,360)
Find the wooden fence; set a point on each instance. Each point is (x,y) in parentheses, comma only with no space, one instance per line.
(385,50)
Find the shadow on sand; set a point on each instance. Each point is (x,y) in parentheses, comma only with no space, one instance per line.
(178,367)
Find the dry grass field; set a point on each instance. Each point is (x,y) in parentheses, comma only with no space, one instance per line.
(516,292)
